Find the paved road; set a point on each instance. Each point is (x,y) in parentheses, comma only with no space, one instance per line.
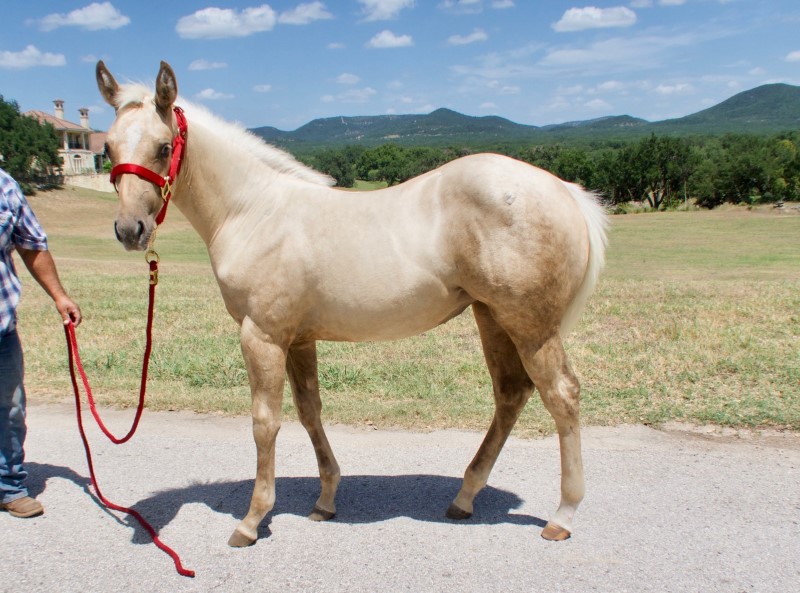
(665,511)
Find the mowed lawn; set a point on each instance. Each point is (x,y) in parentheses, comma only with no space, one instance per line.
(697,318)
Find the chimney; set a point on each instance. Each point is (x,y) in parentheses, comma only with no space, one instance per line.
(84,111)
(59,103)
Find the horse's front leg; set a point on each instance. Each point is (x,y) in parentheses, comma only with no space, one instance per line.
(266,364)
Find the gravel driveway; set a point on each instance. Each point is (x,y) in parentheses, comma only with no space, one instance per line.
(668,511)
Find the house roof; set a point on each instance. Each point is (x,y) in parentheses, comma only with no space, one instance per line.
(58,123)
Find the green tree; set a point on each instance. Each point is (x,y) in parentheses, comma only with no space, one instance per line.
(29,149)
(664,164)
(382,163)
(574,164)
(339,163)
(419,160)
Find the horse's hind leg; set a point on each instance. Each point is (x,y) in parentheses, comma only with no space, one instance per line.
(550,370)
(301,367)
(512,388)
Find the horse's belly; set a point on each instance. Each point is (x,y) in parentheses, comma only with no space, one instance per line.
(389,319)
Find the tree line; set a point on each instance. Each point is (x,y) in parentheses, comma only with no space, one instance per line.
(660,171)
(28,149)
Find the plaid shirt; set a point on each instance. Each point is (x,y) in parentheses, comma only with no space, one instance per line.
(18,228)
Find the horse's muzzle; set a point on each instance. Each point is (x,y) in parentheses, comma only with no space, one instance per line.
(133,235)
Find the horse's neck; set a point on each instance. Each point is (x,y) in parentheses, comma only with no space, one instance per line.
(219,183)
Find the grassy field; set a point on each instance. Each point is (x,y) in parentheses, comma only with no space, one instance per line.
(697,318)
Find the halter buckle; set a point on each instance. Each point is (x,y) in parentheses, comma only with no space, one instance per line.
(166,189)
(152,258)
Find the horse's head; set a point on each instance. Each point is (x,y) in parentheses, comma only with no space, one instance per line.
(142,135)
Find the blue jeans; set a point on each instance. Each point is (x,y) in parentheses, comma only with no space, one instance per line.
(12,419)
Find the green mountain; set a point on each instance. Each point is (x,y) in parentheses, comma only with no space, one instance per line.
(438,127)
(768,108)
(765,109)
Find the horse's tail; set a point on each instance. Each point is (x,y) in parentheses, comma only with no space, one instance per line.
(596,226)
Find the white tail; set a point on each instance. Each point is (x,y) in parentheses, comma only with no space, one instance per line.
(597,226)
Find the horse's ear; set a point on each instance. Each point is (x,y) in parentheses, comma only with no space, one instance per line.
(106,84)
(166,88)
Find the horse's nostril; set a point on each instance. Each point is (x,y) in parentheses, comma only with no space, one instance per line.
(116,232)
(140,229)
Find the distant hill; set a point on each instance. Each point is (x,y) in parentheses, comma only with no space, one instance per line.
(765,109)
(440,126)
(768,108)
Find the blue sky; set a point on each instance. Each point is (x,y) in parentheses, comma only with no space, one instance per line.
(287,62)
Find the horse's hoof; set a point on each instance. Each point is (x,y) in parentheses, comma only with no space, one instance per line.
(555,533)
(457,513)
(319,514)
(240,540)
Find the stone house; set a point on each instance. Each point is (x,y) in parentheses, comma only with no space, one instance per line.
(82,149)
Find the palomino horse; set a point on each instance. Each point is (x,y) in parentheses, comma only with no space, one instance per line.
(298,261)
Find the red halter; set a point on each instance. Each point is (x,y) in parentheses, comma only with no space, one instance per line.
(165,183)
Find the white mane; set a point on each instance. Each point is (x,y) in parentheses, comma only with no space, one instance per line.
(139,94)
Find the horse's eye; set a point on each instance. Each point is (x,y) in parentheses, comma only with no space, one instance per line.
(165,150)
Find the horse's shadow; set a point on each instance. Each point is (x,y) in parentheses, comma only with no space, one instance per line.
(360,499)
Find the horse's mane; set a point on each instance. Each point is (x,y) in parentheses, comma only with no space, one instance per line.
(140,94)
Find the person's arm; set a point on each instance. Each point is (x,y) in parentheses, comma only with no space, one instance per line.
(42,267)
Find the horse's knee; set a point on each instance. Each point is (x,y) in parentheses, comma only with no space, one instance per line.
(562,398)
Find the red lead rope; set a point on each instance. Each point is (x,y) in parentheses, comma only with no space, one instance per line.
(75,360)
(72,343)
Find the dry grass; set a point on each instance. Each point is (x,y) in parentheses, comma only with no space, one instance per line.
(697,318)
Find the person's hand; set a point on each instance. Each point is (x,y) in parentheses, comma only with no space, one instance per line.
(69,310)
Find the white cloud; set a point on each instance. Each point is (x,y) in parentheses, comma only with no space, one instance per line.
(383,10)
(351,96)
(575,89)
(212,95)
(206,65)
(474,37)
(597,105)
(610,86)
(793,56)
(262,88)
(636,53)
(28,58)
(304,14)
(590,17)
(219,23)
(488,105)
(500,4)
(347,78)
(506,89)
(462,6)
(386,39)
(94,17)
(336,45)
(674,89)
(650,3)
